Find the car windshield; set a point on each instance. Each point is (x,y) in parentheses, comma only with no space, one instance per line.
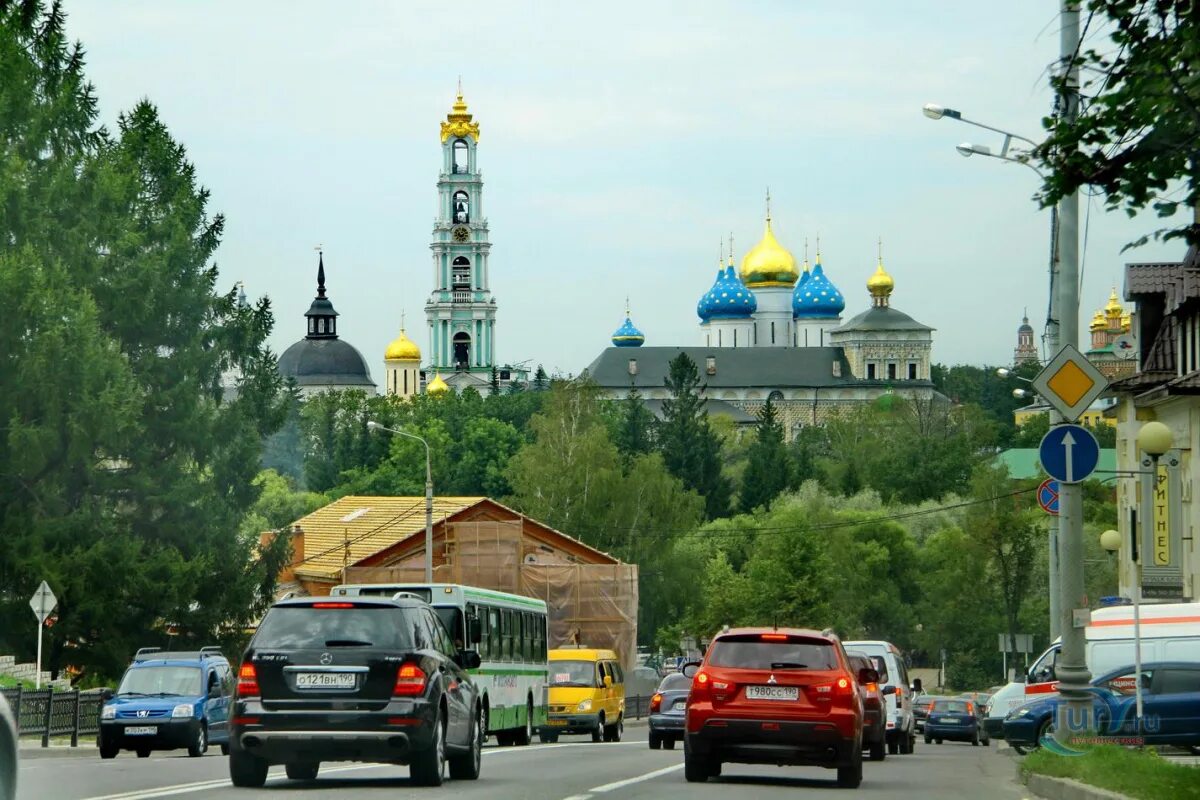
(318,628)
(675,682)
(572,673)
(162,680)
(752,652)
(951,706)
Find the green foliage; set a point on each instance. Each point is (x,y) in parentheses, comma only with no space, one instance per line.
(769,467)
(634,434)
(124,474)
(1142,774)
(1135,136)
(690,449)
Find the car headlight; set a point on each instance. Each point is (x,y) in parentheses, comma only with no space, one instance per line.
(183,710)
(585,705)
(108,712)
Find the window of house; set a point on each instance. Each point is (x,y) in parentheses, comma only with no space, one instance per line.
(891,372)
(870,371)
(912,371)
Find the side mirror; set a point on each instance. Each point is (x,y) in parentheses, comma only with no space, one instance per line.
(916,686)
(608,681)
(868,675)
(690,669)
(106,694)
(889,690)
(468,659)
(474,629)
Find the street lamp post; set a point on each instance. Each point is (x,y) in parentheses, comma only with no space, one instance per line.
(375,426)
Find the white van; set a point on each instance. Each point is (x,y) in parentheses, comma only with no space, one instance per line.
(901,731)
(999,705)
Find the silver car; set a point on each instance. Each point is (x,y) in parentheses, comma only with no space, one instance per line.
(8,752)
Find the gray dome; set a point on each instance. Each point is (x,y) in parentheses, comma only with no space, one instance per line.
(325,362)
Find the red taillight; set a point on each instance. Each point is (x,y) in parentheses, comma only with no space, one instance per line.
(773,637)
(410,681)
(701,687)
(971,709)
(872,687)
(247,685)
(701,679)
(333,605)
(839,691)
(655,702)
(841,686)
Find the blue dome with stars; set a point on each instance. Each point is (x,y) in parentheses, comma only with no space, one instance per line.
(627,335)
(727,299)
(816,296)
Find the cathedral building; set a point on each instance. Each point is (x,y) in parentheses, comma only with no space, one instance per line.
(773,329)
(1112,351)
(1026,351)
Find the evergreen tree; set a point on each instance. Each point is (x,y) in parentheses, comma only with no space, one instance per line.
(541,381)
(769,470)
(634,434)
(495,382)
(690,448)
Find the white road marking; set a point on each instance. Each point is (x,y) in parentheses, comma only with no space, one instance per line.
(608,787)
(578,797)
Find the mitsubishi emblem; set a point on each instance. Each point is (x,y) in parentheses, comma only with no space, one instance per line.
(327,658)
(771,680)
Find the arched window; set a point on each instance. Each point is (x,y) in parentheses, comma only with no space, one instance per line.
(460,273)
(462,207)
(462,350)
(775,396)
(462,162)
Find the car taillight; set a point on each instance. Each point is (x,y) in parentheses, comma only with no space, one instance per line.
(841,691)
(655,702)
(701,687)
(971,708)
(774,637)
(410,681)
(247,685)
(872,687)
(333,605)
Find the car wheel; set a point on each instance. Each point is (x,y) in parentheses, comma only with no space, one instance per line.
(525,735)
(224,748)
(893,747)
(428,767)
(928,740)
(109,751)
(199,743)
(850,775)
(143,752)
(549,738)
(1021,749)
(656,742)
(714,768)
(504,738)
(247,770)
(612,733)
(303,770)
(695,770)
(1044,730)
(669,743)
(877,753)
(975,740)
(939,741)
(466,767)
(599,730)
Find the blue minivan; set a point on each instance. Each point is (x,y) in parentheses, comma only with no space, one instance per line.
(168,701)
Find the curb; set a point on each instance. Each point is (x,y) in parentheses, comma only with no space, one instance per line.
(36,752)
(1049,788)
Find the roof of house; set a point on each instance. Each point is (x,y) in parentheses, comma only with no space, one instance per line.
(1022,462)
(882,318)
(355,528)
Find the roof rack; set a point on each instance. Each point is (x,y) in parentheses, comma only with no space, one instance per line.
(142,651)
(210,649)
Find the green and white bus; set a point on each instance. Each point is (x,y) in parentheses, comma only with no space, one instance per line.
(509,631)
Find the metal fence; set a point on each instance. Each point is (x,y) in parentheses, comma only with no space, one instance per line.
(47,713)
(637,706)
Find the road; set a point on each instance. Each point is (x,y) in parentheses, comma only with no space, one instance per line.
(570,770)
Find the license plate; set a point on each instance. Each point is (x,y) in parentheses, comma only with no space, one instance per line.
(949,721)
(559,722)
(325,680)
(772,693)
(141,730)
(679,704)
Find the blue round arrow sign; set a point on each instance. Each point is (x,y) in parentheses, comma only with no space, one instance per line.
(1048,496)
(1069,453)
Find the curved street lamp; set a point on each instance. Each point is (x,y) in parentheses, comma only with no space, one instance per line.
(372,425)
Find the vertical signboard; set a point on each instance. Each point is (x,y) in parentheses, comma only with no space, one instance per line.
(1162,524)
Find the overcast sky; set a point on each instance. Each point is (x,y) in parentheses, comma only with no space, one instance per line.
(620,141)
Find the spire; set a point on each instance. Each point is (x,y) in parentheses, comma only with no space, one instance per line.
(768,206)
(321,275)
(721,254)
(880,249)
(806,254)
(627,306)
(818,261)
(731,248)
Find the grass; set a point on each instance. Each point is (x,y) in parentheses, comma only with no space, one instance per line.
(1142,774)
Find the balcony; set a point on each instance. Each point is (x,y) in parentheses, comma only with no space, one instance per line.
(460,297)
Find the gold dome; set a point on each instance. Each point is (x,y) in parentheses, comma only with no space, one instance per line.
(1114,307)
(1098,321)
(880,283)
(1126,322)
(402,348)
(437,386)
(458,122)
(769,263)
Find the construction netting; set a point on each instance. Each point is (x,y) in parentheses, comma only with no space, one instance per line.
(593,605)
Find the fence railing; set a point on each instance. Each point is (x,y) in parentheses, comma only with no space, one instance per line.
(637,706)
(47,713)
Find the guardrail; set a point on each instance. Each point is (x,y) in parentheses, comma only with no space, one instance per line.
(637,706)
(47,713)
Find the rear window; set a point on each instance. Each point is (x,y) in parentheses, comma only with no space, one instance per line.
(675,681)
(754,652)
(951,706)
(307,627)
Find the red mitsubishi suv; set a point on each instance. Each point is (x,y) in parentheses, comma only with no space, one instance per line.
(781,696)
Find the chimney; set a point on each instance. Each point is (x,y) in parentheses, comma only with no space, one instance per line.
(710,365)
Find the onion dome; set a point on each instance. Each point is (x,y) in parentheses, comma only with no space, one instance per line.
(1098,322)
(1126,322)
(628,335)
(769,263)
(1024,327)
(437,385)
(817,296)
(1114,308)
(727,299)
(402,348)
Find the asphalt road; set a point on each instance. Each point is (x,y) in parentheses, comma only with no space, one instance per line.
(573,769)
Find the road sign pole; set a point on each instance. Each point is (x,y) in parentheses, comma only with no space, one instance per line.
(37,677)
(1055,600)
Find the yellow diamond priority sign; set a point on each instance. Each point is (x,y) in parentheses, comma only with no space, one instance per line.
(1070,383)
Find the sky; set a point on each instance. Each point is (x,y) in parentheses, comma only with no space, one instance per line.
(620,142)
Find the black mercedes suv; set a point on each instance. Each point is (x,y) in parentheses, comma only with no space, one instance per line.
(361,679)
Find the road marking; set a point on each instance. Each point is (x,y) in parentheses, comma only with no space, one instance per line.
(578,797)
(608,787)
(200,786)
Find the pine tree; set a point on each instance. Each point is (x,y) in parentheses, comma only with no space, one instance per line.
(495,382)
(635,427)
(541,381)
(769,469)
(690,448)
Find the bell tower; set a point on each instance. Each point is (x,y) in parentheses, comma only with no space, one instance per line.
(461,311)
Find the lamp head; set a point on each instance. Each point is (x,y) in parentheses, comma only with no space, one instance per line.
(372,424)
(1020,393)
(1154,438)
(1110,540)
(1004,372)
(933,111)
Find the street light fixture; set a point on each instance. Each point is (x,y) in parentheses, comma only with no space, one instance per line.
(372,425)
(1110,540)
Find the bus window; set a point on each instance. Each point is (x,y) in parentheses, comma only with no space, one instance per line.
(452,619)
(506,634)
(495,649)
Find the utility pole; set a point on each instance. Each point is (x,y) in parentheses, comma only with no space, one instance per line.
(1053,343)
(1073,676)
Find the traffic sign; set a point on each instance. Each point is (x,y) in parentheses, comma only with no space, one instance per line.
(1070,383)
(1048,496)
(1069,453)
(43,602)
